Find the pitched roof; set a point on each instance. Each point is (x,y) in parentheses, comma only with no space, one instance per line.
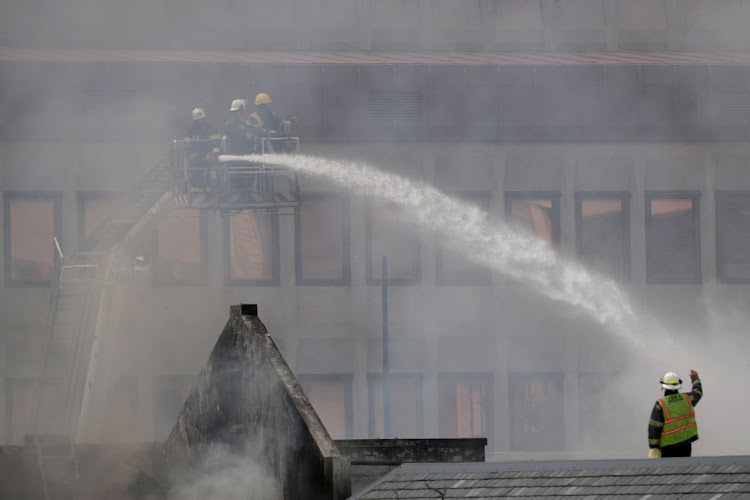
(715,478)
(491,58)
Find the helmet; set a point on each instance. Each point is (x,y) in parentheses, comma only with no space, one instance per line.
(670,381)
(262,98)
(237,104)
(198,113)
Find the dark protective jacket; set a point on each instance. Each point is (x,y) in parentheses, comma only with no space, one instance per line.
(241,137)
(657,421)
(268,121)
(204,139)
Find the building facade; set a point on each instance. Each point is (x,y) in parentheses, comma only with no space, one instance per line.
(632,163)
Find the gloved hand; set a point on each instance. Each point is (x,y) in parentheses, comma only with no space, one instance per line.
(693,374)
(654,453)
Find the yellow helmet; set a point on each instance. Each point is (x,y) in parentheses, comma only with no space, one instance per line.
(262,98)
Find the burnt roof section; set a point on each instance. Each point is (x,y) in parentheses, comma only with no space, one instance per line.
(718,478)
(380,57)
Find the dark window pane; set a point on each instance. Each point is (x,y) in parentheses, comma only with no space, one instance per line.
(30,245)
(536,406)
(323,240)
(390,236)
(733,236)
(539,216)
(465,402)
(602,232)
(331,396)
(252,251)
(179,249)
(672,239)
(405,404)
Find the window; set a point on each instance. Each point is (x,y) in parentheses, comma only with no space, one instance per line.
(602,232)
(387,234)
(180,248)
(93,209)
(672,237)
(170,394)
(21,401)
(251,255)
(405,405)
(453,268)
(322,243)
(465,401)
(733,236)
(536,407)
(331,396)
(598,407)
(32,220)
(537,212)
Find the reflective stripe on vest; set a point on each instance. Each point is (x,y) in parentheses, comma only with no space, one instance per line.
(679,420)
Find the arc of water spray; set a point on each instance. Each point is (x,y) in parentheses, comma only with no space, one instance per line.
(494,244)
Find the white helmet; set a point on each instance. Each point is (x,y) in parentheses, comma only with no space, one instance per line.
(198,113)
(237,105)
(670,381)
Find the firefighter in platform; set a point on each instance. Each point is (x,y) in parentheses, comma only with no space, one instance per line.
(268,123)
(203,140)
(242,137)
(672,427)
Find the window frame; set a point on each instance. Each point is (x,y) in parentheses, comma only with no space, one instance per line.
(624,197)
(203,236)
(345,279)
(275,279)
(559,378)
(694,196)
(82,198)
(481,279)
(416,260)
(417,378)
(8,198)
(486,377)
(722,197)
(347,379)
(35,384)
(553,196)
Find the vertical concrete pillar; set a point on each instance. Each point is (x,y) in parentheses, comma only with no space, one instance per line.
(215,257)
(287,282)
(567,204)
(708,221)
(570,392)
(425,26)
(364,24)
(610,24)
(638,223)
(673,34)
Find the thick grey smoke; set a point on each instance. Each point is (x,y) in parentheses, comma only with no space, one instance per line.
(226,475)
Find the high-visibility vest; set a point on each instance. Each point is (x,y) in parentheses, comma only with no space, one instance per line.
(679,419)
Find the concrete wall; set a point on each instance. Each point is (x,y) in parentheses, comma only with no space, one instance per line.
(383,25)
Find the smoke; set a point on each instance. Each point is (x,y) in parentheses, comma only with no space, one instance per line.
(227,475)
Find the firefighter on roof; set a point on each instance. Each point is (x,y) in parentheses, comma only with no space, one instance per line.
(672,427)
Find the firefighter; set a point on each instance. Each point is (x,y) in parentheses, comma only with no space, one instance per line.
(242,138)
(267,122)
(203,140)
(672,427)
